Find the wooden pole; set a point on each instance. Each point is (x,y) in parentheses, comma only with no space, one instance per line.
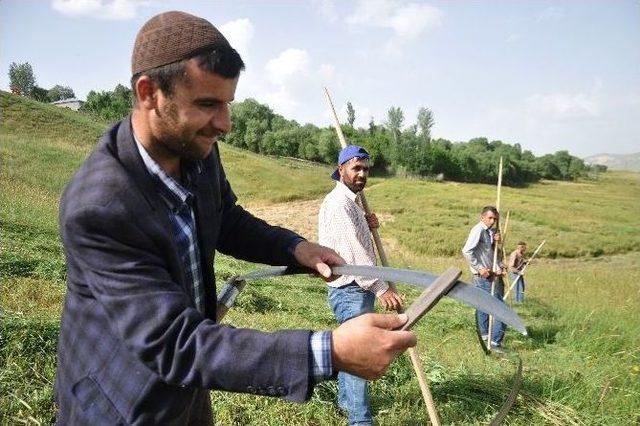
(503,234)
(524,269)
(495,252)
(413,353)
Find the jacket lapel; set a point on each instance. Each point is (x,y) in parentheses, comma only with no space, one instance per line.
(156,215)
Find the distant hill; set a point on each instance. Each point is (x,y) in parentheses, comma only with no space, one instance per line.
(629,162)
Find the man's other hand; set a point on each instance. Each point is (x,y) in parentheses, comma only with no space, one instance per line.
(372,220)
(317,257)
(366,345)
(390,300)
(484,272)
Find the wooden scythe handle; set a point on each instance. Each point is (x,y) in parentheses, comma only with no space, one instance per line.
(413,353)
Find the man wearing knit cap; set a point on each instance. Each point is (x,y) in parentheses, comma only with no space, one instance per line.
(344,226)
(140,223)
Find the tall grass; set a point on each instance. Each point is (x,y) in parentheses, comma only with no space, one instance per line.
(577,219)
(582,358)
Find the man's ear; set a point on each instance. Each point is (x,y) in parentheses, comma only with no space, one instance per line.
(147,92)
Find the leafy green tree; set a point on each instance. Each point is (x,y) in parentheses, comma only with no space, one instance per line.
(251,120)
(351,114)
(425,123)
(328,146)
(109,105)
(395,120)
(58,92)
(372,126)
(21,78)
(39,94)
(547,167)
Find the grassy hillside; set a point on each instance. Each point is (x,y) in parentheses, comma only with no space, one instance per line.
(576,219)
(582,359)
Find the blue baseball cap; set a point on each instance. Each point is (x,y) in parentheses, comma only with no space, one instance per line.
(347,153)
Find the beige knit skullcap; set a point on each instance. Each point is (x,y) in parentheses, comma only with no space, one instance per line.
(171,37)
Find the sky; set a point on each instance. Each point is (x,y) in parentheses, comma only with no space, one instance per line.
(549,75)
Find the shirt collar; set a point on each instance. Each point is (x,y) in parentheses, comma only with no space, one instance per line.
(485,227)
(344,189)
(170,188)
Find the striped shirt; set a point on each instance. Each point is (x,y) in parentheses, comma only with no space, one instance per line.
(342,226)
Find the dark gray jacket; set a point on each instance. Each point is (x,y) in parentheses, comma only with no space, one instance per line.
(133,349)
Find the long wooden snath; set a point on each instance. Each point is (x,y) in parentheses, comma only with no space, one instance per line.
(413,353)
(495,252)
(503,235)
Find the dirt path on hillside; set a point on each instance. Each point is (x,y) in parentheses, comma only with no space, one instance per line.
(299,216)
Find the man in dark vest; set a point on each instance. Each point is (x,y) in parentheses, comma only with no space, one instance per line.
(479,251)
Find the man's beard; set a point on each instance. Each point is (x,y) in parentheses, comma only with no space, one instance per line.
(355,187)
(171,138)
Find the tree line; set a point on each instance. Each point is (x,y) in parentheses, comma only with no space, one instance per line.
(22,81)
(395,149)
(109,105)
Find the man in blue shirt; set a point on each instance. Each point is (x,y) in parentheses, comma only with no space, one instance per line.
(478,251)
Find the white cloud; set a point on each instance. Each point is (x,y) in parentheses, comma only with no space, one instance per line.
(546,122)
(100,9)
(289,72)
(407,21)
(327,71)
(373,13)
(327,9)
(289,64)
(562,106)
(294,85)
(410,21)
(239,33)
(550,13)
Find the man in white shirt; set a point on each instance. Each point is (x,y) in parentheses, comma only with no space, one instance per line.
(344,227)
(478,251)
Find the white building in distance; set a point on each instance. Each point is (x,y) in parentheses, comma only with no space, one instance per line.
(71,103)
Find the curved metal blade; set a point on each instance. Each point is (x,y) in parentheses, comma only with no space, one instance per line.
(461,291)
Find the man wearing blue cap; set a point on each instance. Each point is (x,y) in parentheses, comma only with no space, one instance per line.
(344,227)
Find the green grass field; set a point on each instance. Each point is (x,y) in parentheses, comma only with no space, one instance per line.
(581,360)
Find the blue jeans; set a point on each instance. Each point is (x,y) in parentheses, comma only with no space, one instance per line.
(519,286)
(497,329)
(347,302)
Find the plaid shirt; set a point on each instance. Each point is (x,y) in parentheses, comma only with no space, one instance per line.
(179,200)
(343,227)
